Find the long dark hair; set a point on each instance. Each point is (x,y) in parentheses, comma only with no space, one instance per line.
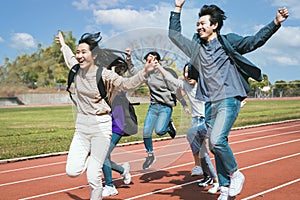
(105,57)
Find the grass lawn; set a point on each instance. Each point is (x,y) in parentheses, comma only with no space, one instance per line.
(28,131)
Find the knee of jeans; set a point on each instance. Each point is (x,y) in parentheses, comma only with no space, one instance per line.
(147,135)
(190,136)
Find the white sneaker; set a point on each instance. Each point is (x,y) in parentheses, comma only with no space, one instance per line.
(224,193)
(214,189)
(126,174)
(109,191)
(236,183)
(197,171)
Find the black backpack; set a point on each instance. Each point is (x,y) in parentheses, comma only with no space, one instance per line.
(130,123)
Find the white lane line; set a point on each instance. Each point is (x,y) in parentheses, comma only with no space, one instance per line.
(162,190)
(176,166)
(272,189)
(264,137)
(264,130)
(188,183)
(160,147)
(160,156)
(32,179)
(32,167)
(55,192)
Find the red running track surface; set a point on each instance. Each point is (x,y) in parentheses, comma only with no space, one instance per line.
(269,157)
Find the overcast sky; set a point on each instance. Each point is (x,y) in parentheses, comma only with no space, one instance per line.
(26,23)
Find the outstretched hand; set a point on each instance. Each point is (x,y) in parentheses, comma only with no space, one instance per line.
(151,64)
(60,38)
(281,15)
(179,3)
(128,54)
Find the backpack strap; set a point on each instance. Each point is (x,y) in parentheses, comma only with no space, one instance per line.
(100,85)
(71,76)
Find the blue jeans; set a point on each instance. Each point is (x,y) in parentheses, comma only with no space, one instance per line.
(196,136)
(220,117)
(195,133)
(109,165)
(157,118)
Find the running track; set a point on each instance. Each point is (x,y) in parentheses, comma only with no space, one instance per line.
(268,155)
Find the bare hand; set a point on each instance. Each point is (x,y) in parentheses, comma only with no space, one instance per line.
(187,111)
(281,15)
(60,38)
(151,63)
(128,54)
(179,3)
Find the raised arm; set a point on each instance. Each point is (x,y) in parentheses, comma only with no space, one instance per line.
(69,56)
(187,46)
(170,78)
(131,69)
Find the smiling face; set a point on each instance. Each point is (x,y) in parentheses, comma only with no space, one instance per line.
(84,56)
(205,29)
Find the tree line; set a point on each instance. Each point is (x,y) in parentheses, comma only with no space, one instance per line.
(46,68)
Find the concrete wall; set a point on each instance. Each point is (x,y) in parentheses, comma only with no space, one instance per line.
(53,98)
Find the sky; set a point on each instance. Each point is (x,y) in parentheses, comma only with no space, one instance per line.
(27,23)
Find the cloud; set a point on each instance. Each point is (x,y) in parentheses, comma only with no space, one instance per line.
(124,19)
(22,41)
(127,19)
(1,39)
(281,49)
(292,5)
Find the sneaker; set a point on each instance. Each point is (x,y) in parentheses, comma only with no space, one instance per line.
(205,182)
(197,171)
(236,183)
(149,161)
(172,129)
(126,174)
(109,191)
(224,193)
(214,189)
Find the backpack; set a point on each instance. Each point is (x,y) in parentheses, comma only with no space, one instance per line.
(127,122)
(130,126)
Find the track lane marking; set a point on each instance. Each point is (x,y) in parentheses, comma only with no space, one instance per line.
(272,189)
(188,183)
(171,167)
(139,150)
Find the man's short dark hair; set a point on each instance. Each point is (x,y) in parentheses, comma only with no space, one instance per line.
(153,53)
(217,15)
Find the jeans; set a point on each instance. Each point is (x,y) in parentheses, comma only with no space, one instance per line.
(157,118)
(110,165)
(195,133)
(196,136)
(220,117)
(92,136)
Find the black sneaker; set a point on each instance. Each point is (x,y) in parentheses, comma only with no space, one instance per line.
(172,129)
(149,161)
(205,182)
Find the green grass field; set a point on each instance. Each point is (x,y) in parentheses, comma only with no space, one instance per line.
(28,131)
